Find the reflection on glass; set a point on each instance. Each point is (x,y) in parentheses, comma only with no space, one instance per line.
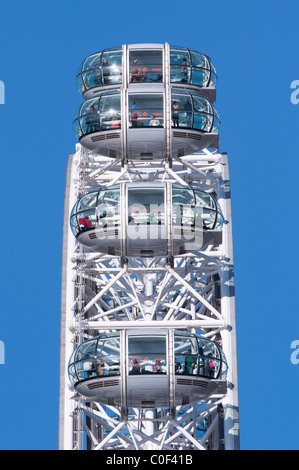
(95,358)
(103,68)
(147,355)
(145,110)
(191,67)
(199,356)
(180,69)
(192,111)
(111,67)
(83,216)
(97,209)
(211,211)
(108,208)
(183,206)
(98,114)
(146,206)
(146,66)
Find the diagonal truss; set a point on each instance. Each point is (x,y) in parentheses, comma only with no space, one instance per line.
(194,291)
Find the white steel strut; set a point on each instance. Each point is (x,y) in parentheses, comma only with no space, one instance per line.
(194,291)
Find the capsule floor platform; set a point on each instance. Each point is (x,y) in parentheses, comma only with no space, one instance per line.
(148,241)
(150,390)
(149,144)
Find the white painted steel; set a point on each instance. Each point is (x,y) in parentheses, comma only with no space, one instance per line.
(193,291)
(160,281)
(231,400)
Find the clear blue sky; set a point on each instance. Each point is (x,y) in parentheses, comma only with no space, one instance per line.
(254,47)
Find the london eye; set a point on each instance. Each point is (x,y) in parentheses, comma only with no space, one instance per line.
(148,333)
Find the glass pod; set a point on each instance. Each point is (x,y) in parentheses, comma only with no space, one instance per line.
(146,64)
(190,68)
(107,126)
(143,361)
(100,70)
(194,215)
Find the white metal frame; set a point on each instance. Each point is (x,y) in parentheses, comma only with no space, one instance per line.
(198,277)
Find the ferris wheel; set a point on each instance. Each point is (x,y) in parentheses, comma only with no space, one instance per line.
(148,333)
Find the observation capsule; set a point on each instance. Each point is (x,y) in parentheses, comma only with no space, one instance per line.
(142,96)
(133,123)
(102,371)
(146,63)
(134,219)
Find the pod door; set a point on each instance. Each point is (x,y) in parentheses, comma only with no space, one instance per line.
(146,229)
(147,362)
(146,131)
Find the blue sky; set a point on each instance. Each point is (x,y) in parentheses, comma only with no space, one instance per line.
(254,48)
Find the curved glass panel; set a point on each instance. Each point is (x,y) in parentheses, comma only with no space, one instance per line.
(180,65)
(108,208)
(192,111)
(100,69)
(183,206)
(96,209)
(145,110)
(108,355)
(98,114)
(216,122)
(211,211)
(95,358)
(191,67)
(89,73)
(83,215)
(182,113)
(91,62)
(201,70)
(213,78)
(146,66)
(84,365)
(198,356)
(147,354)
(111,67)
(203,114)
